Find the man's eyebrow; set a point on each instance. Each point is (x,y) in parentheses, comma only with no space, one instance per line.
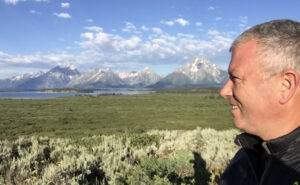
(231,73)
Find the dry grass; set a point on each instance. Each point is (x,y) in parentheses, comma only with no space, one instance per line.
(163,157)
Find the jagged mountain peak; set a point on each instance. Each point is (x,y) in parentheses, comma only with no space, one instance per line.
(195,65)
(194,73)
(69,66)
(201,60)
(147,70)
(64,69)
(139,79)
(27,76)
(124,75)
(100,70)
(97,78)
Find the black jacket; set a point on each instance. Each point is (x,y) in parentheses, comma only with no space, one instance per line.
(275,162)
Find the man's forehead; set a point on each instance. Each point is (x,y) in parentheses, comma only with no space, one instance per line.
(233,70)
(243,57)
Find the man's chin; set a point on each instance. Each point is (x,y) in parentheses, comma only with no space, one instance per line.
(238,124)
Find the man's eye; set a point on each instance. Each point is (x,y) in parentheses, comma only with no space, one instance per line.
(234,78)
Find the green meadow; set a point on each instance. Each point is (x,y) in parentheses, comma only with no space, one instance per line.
(172,136)
(80,116)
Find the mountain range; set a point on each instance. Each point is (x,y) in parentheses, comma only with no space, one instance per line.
(198,72)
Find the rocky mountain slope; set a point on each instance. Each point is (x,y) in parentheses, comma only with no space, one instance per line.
(198,72)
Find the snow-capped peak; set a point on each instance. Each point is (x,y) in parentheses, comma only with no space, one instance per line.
(200,70)
(124,75)
(70,66)
(147,69)
(27,76)
(195,65)
(102,70)
(198,62)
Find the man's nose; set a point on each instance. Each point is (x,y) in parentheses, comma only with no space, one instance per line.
(226,90)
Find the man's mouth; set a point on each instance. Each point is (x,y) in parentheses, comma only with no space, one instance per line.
(235,107)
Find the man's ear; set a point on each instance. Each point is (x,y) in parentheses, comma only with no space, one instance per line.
(289,85)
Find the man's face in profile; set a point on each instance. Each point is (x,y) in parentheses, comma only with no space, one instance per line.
(251,96)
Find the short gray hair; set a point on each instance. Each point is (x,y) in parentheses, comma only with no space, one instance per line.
(279,44)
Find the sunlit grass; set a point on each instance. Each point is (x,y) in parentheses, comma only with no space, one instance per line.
(87,115)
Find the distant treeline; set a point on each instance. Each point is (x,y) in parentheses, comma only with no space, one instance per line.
(188,90)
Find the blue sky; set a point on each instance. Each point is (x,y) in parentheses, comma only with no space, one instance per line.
(126,35)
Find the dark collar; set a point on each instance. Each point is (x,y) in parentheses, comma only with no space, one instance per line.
(275,147)
(248,141)
(284,143)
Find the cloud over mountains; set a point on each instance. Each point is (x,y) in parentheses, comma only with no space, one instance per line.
(196,73)
(141,46)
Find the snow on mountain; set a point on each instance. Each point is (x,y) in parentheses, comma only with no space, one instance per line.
(202,71)
(124,75)
(15,81)
(140,79)
(26,76)
(98,78)
(69,66)
(173,80)
(57,77)
(196,73)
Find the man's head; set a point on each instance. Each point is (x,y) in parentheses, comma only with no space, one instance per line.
(279,42)
(264,77)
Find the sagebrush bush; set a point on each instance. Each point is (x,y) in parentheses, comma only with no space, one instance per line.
(155,157)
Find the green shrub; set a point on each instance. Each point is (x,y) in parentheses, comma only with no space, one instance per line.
(180,168)
(142,140)
(156,157)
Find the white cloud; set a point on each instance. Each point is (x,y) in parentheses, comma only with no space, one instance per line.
(144,28)
(34,61)
(229,34)
(242,25)
(157,30)
(65,5)
(213,32)
(198,23)
(186,35)
(244,19)
(14,2)
(243,22)
(90,20)
(63,15)
(218,18)
(130,28)
(158,48)
(169,23)
(94,28)
(120,44)
(211,8)
(101,49)
(182,22)
(99,41)
(34,12)
(87,35)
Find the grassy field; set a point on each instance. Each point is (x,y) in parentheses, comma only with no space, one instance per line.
(170,109)
(160,138)
(194,157)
